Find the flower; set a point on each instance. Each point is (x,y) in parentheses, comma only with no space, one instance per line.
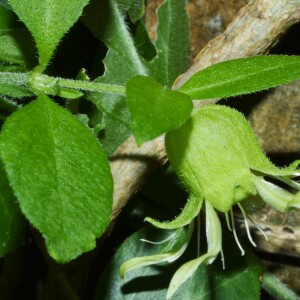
(220,162)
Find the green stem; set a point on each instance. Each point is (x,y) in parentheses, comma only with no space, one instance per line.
(278,289)
(58,85)
(68,88)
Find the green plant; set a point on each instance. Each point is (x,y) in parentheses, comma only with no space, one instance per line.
(55,172)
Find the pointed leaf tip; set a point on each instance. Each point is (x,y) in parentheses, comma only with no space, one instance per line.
(48,21)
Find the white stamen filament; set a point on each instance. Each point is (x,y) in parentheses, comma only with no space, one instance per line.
(246,225)
(235,235)
(259,229)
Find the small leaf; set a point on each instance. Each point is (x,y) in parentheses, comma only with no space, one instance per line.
(11,219)
(242,76)
(48,21)
(154,109)
(60,176)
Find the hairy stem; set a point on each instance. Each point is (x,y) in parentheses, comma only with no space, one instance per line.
(52,84)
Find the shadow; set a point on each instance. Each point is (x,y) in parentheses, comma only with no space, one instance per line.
(289,43)
(246,103)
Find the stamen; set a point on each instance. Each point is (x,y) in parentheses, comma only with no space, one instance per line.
(234,234)
(228,221)
(246,225)
(161,242)
(259,229)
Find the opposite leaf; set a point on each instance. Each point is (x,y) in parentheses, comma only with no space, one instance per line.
(48,21)
(60,176)
(154,109)
(242,76)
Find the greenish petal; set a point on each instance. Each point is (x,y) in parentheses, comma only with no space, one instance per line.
(214,241)
(139,262)
(274,195)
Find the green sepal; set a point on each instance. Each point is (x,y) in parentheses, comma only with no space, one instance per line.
(189,212)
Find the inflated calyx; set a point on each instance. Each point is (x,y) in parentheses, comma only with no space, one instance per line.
(220,162)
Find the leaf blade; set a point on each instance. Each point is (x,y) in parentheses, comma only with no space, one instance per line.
(154,109)
(60,176)
(242,76)
(57,16)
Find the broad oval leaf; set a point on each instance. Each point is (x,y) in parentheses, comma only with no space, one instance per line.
(11,219)
(48,21)
(155,109)
(242,76)
(60,176)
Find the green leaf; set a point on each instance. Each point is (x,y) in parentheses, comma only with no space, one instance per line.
(239,279)
(16,47)
(48,21)
(11,219)
(242,76)
(60,176)
(106,21)
(172,43)
(155,109)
